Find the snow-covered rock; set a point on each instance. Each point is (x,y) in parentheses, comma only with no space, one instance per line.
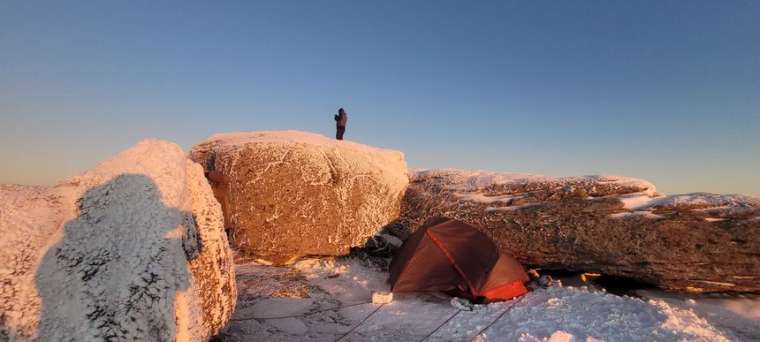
(615,225)
(132,250)
(289,194)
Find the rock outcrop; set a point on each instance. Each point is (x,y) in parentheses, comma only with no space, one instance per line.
(615,225)
(290,194)
(132,250)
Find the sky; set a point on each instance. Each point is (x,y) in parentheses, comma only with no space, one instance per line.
(667,91)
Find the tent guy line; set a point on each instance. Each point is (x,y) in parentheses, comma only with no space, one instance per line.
(497,319)
(360,323)
(441,325)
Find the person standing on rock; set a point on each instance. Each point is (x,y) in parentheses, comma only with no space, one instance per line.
(341,119)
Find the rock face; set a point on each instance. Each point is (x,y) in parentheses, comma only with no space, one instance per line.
(290,194)
(614,225)
(132,250)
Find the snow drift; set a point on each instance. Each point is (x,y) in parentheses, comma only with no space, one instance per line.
(289,194)
(132,250)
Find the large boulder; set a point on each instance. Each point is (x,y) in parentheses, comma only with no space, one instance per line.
(133,250)
(289,194)
(615,225)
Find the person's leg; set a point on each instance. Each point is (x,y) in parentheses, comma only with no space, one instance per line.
(341,131)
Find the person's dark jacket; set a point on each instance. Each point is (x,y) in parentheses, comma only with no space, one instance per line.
(341,119)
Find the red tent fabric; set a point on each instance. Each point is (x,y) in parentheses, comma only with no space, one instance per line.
(447,255)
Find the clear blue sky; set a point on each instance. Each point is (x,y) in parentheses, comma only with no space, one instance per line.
(668,91)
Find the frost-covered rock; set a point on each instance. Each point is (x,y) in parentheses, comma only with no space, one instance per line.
(132,250)
(614,225)
(289,194)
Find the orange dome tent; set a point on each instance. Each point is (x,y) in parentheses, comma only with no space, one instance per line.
(451,256)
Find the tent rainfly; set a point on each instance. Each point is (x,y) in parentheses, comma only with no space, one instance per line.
(450,256)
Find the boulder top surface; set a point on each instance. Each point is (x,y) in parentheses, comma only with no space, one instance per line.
(473,180)
(636,194)
(235,139)
(386,163)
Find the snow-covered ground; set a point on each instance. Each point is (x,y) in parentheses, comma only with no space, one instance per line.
(738,314)
(330,299)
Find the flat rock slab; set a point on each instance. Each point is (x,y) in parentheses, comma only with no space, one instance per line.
(615,225)
(278,307)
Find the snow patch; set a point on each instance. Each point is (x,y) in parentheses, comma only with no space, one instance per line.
(514,207)
(354,282)
(473,180)
(482,198)
(707,202)
(701,199)
(637,200)
(645,213)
